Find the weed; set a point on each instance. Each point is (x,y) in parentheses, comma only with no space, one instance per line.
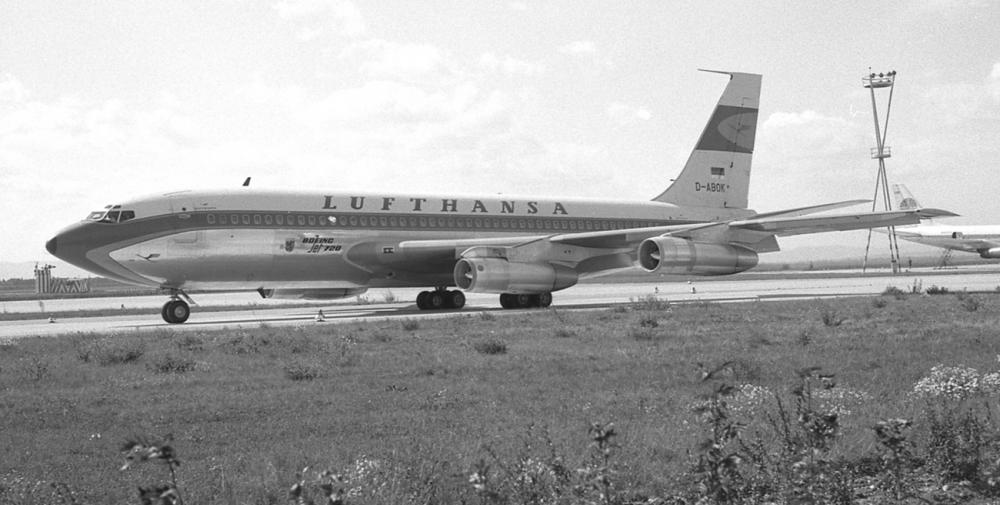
(970,303)
(830,317)
(490,346)
(894,292)
(648,303)
(487,316)
(171,364)
(892,437)
(140,451)
(935,290)
(649,321)
(190,343)
(301,372)
(879,302)
(111,350)
(642,334)
(410,324)
(389,296)
(565,333)
(805,338)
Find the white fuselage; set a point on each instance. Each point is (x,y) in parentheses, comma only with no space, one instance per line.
(252,239)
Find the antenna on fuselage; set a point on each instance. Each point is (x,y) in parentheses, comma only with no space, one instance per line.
(246,183)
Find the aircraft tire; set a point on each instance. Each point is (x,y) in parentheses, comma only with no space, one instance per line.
(436,300)
(176,311)
(544,299)
(507,301)
(456,299)
(525,301)
(422,300)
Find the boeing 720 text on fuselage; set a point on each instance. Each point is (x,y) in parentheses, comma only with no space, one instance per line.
(334,244)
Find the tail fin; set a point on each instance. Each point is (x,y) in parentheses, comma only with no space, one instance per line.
(904,199)
(717,173)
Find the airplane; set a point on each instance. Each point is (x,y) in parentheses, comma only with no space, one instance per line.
(983,240)
(332,244)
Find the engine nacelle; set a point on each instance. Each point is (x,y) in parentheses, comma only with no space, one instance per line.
(991,253)
(497,275)
(672,255)
(311,293)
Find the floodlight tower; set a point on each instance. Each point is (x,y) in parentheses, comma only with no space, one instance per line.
(880,152)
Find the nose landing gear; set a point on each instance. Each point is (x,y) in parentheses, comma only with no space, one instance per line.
(176,310)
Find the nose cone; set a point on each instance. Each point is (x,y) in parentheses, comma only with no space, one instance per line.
(51,246)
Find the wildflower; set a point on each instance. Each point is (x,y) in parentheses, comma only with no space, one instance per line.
(950,382)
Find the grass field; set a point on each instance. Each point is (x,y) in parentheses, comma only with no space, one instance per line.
(708,401)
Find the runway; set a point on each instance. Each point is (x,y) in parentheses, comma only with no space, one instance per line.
(374,304)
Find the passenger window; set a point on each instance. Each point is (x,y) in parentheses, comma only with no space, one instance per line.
(222,219)
(235,219)
(301,220)
(246,219)
(393,221)
(280,219)
(383,221)
(211,218)
(256,219)
(423,222)
(312,220)
(354,220)
(268,219)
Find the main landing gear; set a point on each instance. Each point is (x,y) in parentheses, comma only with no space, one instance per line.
(176,310)
(440,299)
(522,301)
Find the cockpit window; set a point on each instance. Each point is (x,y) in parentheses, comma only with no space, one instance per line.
(111,214)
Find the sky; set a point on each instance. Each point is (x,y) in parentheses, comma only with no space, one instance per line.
(102,101)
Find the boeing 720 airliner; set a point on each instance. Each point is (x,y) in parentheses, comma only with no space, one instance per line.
(334,244)
(982,239)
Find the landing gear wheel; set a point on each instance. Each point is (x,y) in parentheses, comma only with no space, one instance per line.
(176,311)
(544,299)
(435,300)
(523,301)
(422,300)
(456,299)
(507,301)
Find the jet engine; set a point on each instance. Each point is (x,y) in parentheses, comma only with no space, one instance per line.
(496,275)
(993,252)
(672,255)
(311,293)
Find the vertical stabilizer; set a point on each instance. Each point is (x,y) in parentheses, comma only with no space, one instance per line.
(717,173)
(904,199)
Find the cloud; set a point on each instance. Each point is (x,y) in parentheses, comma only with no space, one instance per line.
(809,134)
(579,48)
(380,59)
(509,66)
(994,82)
(317,18)
(11,90)
(30,128)
(623,114)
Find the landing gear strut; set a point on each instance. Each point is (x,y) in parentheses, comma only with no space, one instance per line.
(440,299)
(524,301)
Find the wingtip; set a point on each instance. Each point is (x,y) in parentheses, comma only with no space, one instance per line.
(928,213)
